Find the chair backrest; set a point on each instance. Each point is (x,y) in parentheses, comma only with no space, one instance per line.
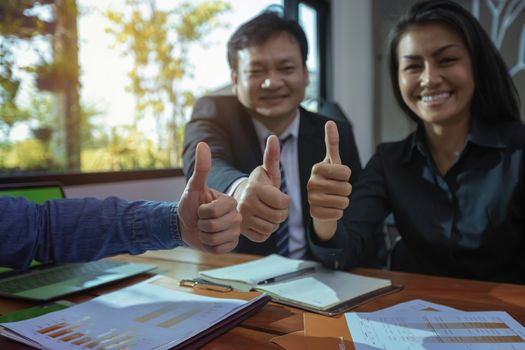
(38,192)
(333,110)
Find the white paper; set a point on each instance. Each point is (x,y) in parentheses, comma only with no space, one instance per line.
(445,330)
(324,288)
(417,305)
(143,316)
(258,270)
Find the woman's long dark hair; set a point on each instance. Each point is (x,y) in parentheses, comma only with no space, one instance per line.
(495,98)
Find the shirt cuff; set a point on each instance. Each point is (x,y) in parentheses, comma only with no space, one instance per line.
(234,185)
(175,227)
(328,252)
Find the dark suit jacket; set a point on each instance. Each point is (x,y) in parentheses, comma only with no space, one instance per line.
(224,123)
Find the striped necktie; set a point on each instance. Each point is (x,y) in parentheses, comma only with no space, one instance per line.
(282,233)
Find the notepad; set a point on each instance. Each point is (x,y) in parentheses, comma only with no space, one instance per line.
(301,283)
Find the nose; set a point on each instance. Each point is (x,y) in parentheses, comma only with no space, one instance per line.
(430,76)
(272,81)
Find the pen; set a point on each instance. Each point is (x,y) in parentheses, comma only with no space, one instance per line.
(199,283)
(286,276)
(341,343)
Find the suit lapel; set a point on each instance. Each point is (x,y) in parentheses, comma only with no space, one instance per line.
(248,139)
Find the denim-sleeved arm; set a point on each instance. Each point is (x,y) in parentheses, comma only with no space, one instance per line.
(71,230)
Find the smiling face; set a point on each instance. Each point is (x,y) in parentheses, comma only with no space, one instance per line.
(435,74)
(270,80)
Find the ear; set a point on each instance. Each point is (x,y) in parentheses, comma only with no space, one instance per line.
(306,75)
(235,80)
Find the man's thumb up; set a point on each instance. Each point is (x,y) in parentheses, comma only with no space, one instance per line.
(271,159)
(197,182)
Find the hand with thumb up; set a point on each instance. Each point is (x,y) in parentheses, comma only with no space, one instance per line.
(208,219)
(329,187)
(261,203)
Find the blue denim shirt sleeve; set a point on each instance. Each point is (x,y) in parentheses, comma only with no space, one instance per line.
(70,230)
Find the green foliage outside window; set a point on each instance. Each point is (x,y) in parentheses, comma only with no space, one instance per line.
(65,133)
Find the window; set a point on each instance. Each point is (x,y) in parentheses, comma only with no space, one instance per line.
(308,20)
(313,16)
(141,65)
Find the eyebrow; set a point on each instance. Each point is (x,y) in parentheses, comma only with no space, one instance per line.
(435,53)
(261,63)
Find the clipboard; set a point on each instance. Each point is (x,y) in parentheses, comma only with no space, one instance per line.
(347,305)
(303,284)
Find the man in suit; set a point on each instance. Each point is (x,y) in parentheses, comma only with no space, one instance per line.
(267,56)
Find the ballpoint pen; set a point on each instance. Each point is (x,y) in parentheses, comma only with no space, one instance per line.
(341,343)
(288,275)
(202,284)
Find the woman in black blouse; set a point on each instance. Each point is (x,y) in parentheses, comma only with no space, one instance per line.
(455,186)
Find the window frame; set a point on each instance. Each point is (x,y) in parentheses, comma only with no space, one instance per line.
(324,41)
(291,10)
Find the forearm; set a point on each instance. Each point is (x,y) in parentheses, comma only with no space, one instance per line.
(83,229)
(348,247)
(223,172)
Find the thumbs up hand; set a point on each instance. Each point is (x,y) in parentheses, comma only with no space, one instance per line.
(329,187)
(208,219)
(261,203)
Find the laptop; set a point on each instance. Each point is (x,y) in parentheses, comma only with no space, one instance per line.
(49,281)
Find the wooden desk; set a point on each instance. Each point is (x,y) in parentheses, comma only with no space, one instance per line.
(275,319)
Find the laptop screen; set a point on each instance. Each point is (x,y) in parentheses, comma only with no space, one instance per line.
(35,192)
(38,193)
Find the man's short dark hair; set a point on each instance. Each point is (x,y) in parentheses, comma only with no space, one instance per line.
(259,29)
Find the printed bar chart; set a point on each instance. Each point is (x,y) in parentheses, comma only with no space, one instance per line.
(143,316)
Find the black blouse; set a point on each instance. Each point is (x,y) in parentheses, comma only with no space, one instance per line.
(469,223)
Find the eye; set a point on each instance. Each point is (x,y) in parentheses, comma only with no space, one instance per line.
(288,69)
(448,60)
(412,67)
(255,72)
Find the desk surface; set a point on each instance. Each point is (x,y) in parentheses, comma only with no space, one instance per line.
(275,319)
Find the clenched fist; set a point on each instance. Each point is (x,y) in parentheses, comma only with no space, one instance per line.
(261,203)
(208,219)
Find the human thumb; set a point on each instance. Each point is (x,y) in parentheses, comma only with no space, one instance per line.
(271,164)
(331,140)
(197,182)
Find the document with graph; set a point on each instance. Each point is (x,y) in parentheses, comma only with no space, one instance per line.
(144,316)
(445,330)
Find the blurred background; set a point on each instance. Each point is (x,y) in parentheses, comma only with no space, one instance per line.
(99,92)
(94,85)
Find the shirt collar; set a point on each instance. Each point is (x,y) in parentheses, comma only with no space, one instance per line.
(485,135)
(417,141)
(263,132)
(480,133)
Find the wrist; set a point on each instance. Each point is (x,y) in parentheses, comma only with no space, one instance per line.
(324,230)
(237,194)
(176,226)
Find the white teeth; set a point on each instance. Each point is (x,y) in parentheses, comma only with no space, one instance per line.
(433,98)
